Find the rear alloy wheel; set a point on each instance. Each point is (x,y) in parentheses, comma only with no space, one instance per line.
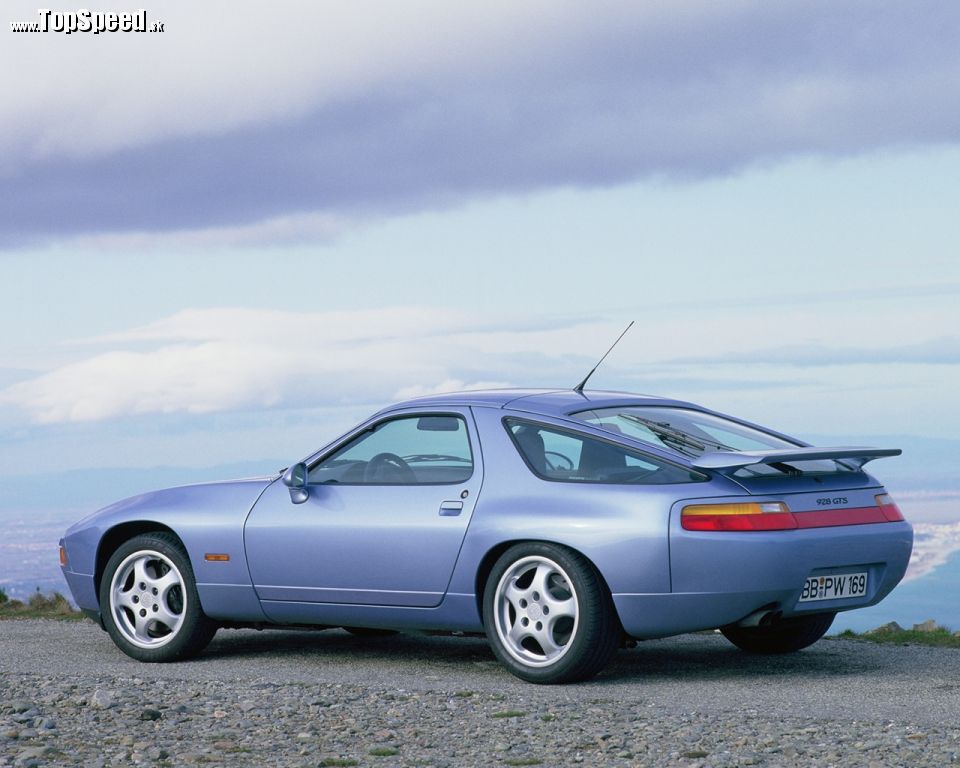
(783,636)
(548,615)
(149,602)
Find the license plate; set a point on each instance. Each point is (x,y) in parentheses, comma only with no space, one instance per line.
(838,586)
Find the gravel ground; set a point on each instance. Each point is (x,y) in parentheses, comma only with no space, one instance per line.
(68,697)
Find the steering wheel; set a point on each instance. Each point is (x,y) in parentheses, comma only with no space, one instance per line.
(388,468)
(555,465)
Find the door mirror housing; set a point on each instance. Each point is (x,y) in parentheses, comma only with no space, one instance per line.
(295,478)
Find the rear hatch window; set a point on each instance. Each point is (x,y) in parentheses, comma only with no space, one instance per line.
(692,433)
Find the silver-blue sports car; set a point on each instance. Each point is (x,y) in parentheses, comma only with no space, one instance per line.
(559,522)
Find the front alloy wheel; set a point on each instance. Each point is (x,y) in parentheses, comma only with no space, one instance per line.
(548,615)
(149,601)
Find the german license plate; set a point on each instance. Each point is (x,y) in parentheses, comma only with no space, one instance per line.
(838,586)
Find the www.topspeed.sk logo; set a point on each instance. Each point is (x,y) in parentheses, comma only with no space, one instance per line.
(83,20)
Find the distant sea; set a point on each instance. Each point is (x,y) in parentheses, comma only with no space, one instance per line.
(29,554)
(935,595)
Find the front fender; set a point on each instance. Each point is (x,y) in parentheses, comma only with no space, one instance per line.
(208,519)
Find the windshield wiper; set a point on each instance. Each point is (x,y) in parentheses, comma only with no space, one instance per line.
(678,439)
(787,469)
(671,436)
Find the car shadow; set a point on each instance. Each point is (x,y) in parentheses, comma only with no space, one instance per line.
(704,656)
(294,643)
(710,657)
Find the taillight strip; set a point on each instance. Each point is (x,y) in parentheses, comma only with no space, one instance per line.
(827,518)
(777,516)
(777,521)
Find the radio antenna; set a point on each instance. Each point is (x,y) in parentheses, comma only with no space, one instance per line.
(582,384)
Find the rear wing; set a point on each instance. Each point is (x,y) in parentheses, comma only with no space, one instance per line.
(737,459)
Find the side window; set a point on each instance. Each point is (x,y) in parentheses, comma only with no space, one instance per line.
(556,454)
(410,450)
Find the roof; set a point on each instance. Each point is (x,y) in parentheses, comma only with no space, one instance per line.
(550,402)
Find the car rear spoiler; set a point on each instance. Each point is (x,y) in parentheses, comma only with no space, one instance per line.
(736,459)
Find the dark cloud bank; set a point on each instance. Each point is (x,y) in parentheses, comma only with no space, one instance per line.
(757,83)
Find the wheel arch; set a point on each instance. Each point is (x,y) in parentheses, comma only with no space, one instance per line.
(494,553)
(116,536)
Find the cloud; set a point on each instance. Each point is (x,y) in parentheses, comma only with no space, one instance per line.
(220,360)
(12,375)
(239,360)
(318,112)
(447,385)
(939,351)
(278,230)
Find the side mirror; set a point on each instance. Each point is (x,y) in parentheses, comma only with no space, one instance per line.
(295,478)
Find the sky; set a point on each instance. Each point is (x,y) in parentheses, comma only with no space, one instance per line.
(236,238)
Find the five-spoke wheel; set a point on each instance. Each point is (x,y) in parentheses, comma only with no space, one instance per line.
(548,615)
(149,601)
(146,598)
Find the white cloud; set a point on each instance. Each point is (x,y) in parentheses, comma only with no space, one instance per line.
(447,385)
(222,66)
(277,230)
(206,361)
(234,359)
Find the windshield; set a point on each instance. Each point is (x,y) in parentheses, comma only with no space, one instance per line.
(692,433)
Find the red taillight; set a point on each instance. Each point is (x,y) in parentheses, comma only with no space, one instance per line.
(889,508)
(752,516)
(63,556)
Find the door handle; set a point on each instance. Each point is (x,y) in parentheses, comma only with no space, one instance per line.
(451,508)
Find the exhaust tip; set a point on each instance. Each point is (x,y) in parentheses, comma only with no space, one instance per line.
(765,617)
(770,618)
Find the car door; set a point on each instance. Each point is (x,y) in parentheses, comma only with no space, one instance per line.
(384,521)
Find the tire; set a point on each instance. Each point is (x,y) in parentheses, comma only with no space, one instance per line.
(149,601)
(548,614)
(783,636)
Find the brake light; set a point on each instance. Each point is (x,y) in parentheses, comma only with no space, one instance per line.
(748,516)
(889,508)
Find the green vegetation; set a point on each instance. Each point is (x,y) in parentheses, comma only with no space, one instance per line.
(346,762)
(39,606)
(524,761)
(383,752)
(509,713)
(921,634)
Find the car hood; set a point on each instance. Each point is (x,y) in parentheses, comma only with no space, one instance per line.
(209,499)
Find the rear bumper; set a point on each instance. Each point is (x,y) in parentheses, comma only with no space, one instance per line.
(750,571)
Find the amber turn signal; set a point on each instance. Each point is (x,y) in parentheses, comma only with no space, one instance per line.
(889,508)
(748,516)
